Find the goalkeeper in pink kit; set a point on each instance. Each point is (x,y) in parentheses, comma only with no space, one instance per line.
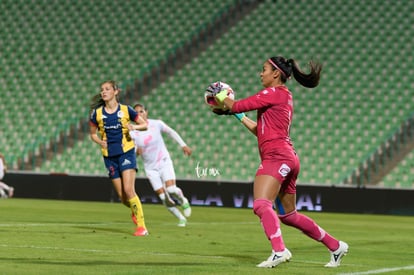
(277,173)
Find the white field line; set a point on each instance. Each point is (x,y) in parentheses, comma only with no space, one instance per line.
(376,271)
(56,224)
(105,224)
(320,263)
(379,271)
(111,252)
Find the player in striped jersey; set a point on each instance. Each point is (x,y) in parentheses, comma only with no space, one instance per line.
(110,124)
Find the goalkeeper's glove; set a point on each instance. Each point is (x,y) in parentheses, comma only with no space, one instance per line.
(213,89)
(239,116)
(221,95)
(221,112)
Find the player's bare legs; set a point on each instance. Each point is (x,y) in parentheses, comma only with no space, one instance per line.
(117,183)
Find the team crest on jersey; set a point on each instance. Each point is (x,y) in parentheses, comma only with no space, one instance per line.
(284,170)
(120,114)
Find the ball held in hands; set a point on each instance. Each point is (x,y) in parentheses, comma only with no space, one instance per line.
(210,95)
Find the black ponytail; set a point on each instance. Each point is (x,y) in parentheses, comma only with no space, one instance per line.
(310,80)
(290,66)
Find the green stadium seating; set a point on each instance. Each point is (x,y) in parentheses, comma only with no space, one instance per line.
(364,94)
(58,62)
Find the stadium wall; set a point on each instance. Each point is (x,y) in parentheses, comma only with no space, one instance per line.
(321,198)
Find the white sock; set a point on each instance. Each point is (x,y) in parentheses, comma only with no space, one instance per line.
(176,193)
(3,194)
(162,197)
(4,186)
(174,210)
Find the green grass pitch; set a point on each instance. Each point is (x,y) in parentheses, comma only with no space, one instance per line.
(68,237)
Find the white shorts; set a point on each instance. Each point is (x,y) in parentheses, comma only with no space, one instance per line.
(158,177)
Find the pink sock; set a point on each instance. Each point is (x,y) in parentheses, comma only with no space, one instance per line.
(310,228)
(270,222)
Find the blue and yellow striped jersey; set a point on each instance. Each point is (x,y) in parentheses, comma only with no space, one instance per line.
(113,129)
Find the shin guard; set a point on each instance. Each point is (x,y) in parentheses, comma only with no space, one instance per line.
(270,222)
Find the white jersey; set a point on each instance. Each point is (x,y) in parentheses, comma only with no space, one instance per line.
(2,169)
(154,151)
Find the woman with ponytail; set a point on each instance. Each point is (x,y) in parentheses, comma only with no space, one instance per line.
(110,123)
(276,176)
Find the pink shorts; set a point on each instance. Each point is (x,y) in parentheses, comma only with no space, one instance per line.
(285,171)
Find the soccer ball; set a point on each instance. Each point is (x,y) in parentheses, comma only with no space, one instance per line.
(210,100)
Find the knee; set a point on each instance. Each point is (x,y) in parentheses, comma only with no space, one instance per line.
(172,189)
(161,195)
(261,205)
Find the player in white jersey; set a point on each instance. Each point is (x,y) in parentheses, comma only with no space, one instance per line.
(158,165)
(5,190)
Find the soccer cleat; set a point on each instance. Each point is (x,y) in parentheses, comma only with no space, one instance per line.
(337,255)
(134,219)
(276,258)
(186,208)
(141,231)
(182,223)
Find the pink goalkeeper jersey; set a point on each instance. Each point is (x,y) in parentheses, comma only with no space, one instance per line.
(274,107)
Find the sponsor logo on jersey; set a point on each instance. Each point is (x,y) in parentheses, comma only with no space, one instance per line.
(284,170)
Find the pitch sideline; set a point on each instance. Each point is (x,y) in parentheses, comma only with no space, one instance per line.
(379,271)
(103,251)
